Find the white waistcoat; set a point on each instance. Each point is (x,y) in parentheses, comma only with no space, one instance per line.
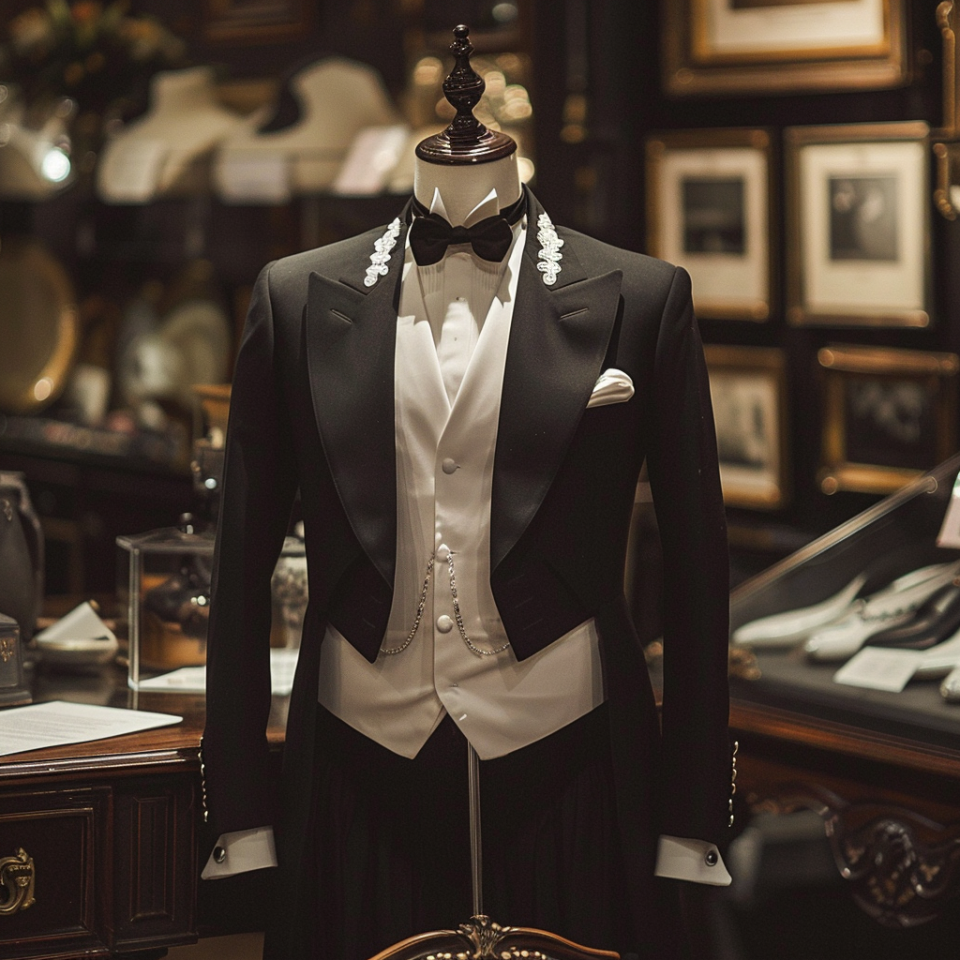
(448,380)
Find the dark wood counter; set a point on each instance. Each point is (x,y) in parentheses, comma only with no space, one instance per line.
(113,832)
(881,769)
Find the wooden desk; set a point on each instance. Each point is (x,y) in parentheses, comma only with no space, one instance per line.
(114,832)
(881,769)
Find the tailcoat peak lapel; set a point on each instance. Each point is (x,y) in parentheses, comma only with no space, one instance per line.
(351,342)
(558,340)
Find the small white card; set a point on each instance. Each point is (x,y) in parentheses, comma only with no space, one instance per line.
(949,535)
(880,668)
(372,157)
(253,176)
(58,722)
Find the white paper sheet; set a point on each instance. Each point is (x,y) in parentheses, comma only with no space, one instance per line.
(949,535)
(58,722)
(283,664)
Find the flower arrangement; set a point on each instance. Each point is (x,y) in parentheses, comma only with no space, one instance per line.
(97,54)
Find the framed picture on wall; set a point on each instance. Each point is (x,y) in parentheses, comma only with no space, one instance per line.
(257,21)
(748,389)
(709,209)
(889,415)
(858,215)
(776,46)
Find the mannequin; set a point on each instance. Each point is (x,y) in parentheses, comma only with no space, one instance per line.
(465,525)
(154,154)
(335,99)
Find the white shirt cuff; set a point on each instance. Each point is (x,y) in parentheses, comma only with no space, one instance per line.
(239,852)
(694,860)
(677,858)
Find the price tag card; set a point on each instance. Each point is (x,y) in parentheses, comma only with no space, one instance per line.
(949,535)
(880,668)
(253,176)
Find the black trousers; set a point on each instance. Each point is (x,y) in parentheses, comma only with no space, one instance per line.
(389,850)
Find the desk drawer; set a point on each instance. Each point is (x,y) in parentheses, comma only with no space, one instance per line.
(52,847)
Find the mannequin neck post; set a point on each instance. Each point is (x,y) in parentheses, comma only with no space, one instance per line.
(464,186)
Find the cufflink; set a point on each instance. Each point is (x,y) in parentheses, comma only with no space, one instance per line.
(219,854)
(711,858)
(733,780)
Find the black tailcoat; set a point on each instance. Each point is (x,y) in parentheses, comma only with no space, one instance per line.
(312,408)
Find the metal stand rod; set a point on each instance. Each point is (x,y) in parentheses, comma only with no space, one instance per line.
(476,855)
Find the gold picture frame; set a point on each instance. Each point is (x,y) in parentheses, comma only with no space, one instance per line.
(946,151)
(889,415)
(748,388)
(780,46)
(858,225)
(710,203)
(948,20)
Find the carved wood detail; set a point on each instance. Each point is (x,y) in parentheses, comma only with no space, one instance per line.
(903,868)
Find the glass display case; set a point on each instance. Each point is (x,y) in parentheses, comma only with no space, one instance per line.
(863,624)
(164,586)
(163,583)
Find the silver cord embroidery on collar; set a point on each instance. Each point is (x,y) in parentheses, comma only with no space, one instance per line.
(382,249)
(550,244)
(421,606)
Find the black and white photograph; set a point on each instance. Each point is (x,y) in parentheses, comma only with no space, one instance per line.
(889,415)
(714,215)
(747,389)
(857,225)
(889,422)
(709,210)
(863,218)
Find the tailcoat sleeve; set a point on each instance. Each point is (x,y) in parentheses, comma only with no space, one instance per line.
(685,483)
(259,487)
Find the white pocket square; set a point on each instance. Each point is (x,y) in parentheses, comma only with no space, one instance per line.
(612,386)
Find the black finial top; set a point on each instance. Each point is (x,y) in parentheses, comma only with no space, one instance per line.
(466,140)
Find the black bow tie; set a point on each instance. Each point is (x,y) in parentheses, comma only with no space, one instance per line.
(430,235)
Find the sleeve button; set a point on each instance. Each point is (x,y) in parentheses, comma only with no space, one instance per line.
(219,854)
(711,858)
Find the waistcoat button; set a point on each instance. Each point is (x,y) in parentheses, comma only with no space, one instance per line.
(449,465)
(444,623)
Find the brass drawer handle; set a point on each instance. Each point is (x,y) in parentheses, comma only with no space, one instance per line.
(16,877)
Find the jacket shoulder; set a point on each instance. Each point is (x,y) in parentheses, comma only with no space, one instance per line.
(640,271)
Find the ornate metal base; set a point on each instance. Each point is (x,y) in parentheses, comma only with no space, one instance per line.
(482,939)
